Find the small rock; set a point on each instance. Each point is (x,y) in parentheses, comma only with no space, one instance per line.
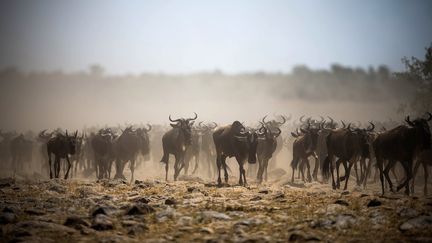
(374,203)
(345,193)
(215,215)
(168,213)
(76,222)
(344,221)
(300,236)
(170,201)
(342,202)
(34,212)
(256,198)
(102,222)
(7,218)
(140,209)
(264,191)
(185,221)
(420,222)
(206,230)
(407,212)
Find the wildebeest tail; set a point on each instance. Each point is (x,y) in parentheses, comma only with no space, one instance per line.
(325,169)
(165,158)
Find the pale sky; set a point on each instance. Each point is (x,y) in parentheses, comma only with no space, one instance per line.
(195,35)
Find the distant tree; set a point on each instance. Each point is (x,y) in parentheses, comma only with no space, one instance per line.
(96,70)
(419,73)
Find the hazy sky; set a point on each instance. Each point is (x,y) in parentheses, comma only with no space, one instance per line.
(188,36)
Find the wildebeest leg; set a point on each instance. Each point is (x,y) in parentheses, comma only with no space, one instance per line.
(132,168)
(367,172)
(224,165)
(317,164)
(68,167)
(266,162)
(426,175)
(294,164)
(337,173)
(196,164)
(260,169)
(417,164)
(356,173)
(57,166)
(389,165)
(50,164)
(408,171)
(308,170)
(219,165)
(166,170)
(347,173)
(381,172)
(240,163)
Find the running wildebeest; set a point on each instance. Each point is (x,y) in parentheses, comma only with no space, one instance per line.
(175,142)
(21,152)
(304,146)
(193,151)
(402,144)
(346,144)
(208,152)
(62,145)
(126,149)
(103,151)
(233,141)
(425,159)
(267,143)
(144,142)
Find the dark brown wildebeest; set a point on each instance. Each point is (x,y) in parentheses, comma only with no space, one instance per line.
(233,141)
(193,151)
(62,145)
(321,149)
(402,144)
(274,126)
(425,159)
(5,154)
(42,139)
(126,149)
(175,142)
(304,146)
(144,142)
(21,152)
(345,144)
(102,145)
(208,152)
(267,144)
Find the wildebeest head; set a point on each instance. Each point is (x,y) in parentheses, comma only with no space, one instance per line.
(310,134)
(422,127)
(185,126)
(364,135)
(144,138)
(267,133)
(71,142)
(274,124)
(248,138)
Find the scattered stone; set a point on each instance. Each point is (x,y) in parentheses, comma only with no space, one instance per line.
(102,222)
(344,221)
(185,221)
(300,236)
(206,230)
(170,201)
(76,222)
(192,189)
(168,213)
(264,191)
(256,198)
(342,202)
(374,203)
(214,215)
(345,193)
(6,182)
(420,222)
(7,218)
(407,212)
(334,208)
(34,212)
(279,195)
(140,209)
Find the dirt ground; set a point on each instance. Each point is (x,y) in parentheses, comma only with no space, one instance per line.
(194,210)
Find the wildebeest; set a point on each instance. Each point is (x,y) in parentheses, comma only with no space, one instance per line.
(346,144)
(5,153)
(175,142)
(402,144)
(62,145)
(193,151)
(126,149)
(304,146)
(267,143)
(103,151)
(233,141)
(21,152)
(42,139)
(274,126)
(144,141)
(425,159)
(208,152)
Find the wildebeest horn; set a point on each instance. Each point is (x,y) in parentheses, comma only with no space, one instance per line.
(322,119)
(301,119)
(279,131)
(76,134)
(191,119)
(407,119)
(343,124)
(200,124)
(331,120)
(371,128)
(149,127)
(263,119)
(171,120)
(262,129)
(215,125)
(430,116)
(284,120)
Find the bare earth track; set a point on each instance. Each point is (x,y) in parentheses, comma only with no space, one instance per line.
(195,211)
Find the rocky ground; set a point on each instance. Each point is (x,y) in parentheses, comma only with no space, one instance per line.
(193,210)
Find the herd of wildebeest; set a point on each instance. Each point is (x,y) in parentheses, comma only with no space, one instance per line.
(374,150)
